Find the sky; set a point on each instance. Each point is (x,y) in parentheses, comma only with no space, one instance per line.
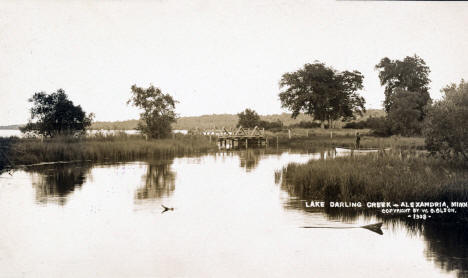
(215,56)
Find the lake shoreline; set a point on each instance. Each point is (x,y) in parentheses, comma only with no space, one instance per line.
(119,148)
(129,147)
(386,177)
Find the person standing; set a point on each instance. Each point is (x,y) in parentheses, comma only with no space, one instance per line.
(358,140)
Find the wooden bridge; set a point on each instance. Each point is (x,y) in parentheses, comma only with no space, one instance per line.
(240,137)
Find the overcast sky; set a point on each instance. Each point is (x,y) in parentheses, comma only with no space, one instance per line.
(213,56)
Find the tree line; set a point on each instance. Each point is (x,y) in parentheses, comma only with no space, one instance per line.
(320,91)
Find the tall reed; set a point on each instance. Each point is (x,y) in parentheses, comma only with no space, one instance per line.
(101,148)
(378,177)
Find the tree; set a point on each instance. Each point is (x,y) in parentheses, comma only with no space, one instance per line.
(158,111)
(248,118)
(54,114)
(322,92)
(446,127)
(405,115)
(411,75)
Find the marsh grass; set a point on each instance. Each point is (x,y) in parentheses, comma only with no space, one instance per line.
(393,177)
(328,138)
(119,147)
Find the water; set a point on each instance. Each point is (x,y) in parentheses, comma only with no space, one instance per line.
(10,132)
(17,132)
(230,219)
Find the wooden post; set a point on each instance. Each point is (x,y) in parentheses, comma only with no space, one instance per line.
(289,134)
(277,143)
(246,143)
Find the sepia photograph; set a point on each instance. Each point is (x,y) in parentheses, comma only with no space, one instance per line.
(233,138)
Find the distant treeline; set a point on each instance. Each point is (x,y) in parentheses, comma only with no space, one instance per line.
(379,125)
(10,127)
(118,125)
(230,121)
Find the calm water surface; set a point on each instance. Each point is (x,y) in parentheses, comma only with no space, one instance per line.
(230,219)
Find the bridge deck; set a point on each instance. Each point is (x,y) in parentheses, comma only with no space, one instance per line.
(240,137)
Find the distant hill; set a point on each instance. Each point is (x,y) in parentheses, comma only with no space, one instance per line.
(230,120)
(214,120)
(10,127)
(118,125)
(222,120)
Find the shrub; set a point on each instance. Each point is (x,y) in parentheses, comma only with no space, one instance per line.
(446,127)
(276,125)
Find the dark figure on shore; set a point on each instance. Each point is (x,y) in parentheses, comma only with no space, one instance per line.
(358,140)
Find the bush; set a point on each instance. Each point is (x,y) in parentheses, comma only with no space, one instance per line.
(380,126)
(307,124)
(357,125)
(446,127)
(276,125)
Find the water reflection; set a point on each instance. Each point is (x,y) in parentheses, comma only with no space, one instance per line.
(53,183)
(158,181)
(250,158)
(447,246)
(446,242)
(219,202)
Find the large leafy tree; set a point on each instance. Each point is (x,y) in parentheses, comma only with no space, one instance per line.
(54,114)
(446,125)
(405,113)
(411,74)
(248,118)
(322,92)
(158,111)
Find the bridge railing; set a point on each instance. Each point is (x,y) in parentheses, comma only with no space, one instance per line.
(232,132)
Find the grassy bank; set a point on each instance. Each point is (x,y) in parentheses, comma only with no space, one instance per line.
(122,147)
(389,177)
(327,138)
